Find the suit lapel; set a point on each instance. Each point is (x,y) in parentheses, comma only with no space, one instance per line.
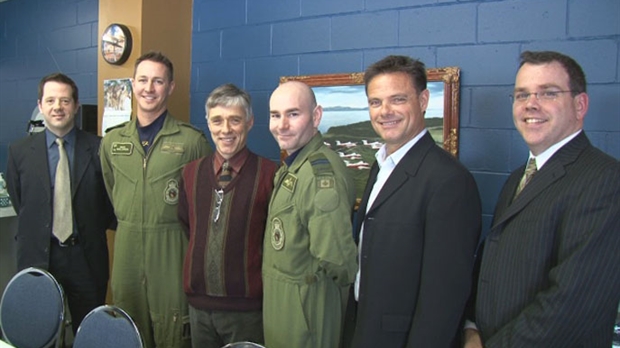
(405,169)
(38,149)
(553,170)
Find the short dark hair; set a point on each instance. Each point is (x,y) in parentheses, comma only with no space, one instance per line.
(157,57)
(228,95)
(60,78)
(576,76)
(398,64)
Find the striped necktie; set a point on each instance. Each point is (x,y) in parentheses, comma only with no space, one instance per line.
(226,175)
(530,170)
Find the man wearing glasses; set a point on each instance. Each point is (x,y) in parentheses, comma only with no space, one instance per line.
(549,270)
(223,201)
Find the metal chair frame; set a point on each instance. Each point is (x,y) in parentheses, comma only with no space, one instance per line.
(58,337)
(110,310)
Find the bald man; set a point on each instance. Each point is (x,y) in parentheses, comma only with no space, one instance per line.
(309,257)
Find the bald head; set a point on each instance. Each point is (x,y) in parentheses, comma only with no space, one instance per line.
(299,90)
(294,115)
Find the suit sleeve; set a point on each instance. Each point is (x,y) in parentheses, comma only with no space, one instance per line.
(584,281)
(451,232)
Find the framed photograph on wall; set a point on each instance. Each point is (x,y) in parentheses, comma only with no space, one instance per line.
(346,126)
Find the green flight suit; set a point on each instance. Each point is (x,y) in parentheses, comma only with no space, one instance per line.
(150,245)
(309,256)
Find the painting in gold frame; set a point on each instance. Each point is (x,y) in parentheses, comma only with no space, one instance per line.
(346,127)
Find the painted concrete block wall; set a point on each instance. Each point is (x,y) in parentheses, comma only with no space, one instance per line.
(39,37)
(252,43)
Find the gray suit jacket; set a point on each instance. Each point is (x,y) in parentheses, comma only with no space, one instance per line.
(550,273)
(30,189)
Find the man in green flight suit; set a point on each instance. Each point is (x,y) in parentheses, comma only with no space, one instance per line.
(141,163)
(309,255)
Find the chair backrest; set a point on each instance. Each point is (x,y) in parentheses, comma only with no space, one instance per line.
(108,326)
(243,345)
(32,309)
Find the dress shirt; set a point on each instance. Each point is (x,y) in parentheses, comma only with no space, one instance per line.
(235,162)
(544,156)
(53,154)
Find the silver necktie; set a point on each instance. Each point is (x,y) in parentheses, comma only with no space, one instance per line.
(63,214)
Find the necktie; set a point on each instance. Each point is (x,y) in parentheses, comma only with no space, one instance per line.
(530,170)
(63,216)
(225,176)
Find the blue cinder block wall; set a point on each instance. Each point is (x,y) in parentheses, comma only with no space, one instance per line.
(39,37)
(253,42)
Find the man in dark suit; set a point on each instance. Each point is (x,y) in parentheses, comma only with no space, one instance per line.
(419,222)
(80,261)
(549,272)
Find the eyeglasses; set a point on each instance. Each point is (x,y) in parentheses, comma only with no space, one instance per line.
(219,197)
(522,97)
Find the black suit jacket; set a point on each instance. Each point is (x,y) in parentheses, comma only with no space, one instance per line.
(417,251)
(30,189)
(550,273)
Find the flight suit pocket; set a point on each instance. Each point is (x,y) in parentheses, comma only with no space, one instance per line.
(124,194)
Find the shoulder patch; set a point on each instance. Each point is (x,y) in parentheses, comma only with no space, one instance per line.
(320,164)
(120,125)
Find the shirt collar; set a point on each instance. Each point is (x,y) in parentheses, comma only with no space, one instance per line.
(395,157)
(543,157)
(50,137)
(235,162)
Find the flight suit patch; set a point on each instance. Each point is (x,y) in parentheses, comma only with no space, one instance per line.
(173,148)
(324,182)
(171,192)
(289,182)
(123,149)
(327,200)
(277,234)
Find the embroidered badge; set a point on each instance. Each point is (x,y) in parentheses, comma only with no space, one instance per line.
(171,193)
(174,148)
(289,182)
(325,182)
(277,234)
(123,149)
